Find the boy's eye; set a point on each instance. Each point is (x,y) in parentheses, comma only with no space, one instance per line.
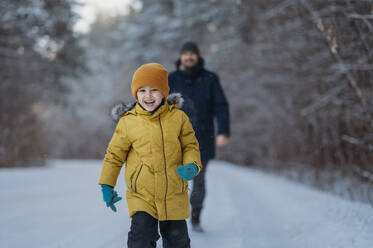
(141,90)
(153,90)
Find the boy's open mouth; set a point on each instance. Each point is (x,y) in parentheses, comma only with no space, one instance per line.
(149,103)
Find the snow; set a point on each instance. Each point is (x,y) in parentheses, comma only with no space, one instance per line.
(60,205)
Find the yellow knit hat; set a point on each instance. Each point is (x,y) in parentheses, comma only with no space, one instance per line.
(153,75)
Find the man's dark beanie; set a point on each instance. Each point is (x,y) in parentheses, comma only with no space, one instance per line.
(189,46)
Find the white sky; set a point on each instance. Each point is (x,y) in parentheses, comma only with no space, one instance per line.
(91,7)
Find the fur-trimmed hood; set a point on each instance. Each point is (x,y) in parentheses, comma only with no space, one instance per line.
(121,108)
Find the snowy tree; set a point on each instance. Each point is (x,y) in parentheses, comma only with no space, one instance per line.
(296,73)
(37,48)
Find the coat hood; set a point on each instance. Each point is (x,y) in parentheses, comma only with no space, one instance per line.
(121,108)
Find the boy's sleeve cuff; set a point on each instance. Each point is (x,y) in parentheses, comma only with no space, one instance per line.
(105,186)
(199,168)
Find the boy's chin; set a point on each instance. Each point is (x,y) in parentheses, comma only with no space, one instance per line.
(150,109)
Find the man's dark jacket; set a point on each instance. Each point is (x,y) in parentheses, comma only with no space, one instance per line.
(204,99)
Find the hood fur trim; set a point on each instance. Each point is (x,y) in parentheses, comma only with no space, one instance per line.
(175,98)
(121,108)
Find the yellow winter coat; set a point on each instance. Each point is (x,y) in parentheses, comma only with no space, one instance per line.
(153,145)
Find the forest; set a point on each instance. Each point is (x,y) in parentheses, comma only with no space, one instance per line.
(298,76)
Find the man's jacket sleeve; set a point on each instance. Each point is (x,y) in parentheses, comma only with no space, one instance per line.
(221,108)
(189,143)
(116,155)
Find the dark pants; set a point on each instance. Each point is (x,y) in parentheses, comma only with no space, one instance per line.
(198,193)
(144,232)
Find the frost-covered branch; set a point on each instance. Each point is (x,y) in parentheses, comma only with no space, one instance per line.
(316,18)
(355,141)
(324,100)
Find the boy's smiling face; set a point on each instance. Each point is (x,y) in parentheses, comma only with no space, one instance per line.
(149,98)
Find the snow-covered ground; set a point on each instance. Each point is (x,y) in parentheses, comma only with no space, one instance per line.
(60,206)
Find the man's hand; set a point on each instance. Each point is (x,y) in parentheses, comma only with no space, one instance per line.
(222,140)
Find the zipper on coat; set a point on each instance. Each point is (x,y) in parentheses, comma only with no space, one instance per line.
(165,167)
(135,186)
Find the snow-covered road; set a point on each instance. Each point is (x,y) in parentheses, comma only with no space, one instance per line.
(60,206)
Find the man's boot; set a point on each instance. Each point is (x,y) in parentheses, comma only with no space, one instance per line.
(196,226)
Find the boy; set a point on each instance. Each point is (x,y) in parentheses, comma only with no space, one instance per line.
(154,138)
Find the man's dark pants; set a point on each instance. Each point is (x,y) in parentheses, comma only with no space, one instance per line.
(198,193)
(144,232)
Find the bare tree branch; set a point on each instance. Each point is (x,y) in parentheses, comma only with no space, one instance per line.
(323,100)
(356,141)
(351,79)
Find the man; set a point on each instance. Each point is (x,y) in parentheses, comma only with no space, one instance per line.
(204,101)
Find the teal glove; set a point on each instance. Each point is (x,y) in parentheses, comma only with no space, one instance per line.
(188,172)
(110,196)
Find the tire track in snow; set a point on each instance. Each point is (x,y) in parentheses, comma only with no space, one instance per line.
(219,217)
(236,213)
(244,208)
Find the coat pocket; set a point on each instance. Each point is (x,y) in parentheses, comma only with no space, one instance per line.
(131,175)
(182,185)
(135,178)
